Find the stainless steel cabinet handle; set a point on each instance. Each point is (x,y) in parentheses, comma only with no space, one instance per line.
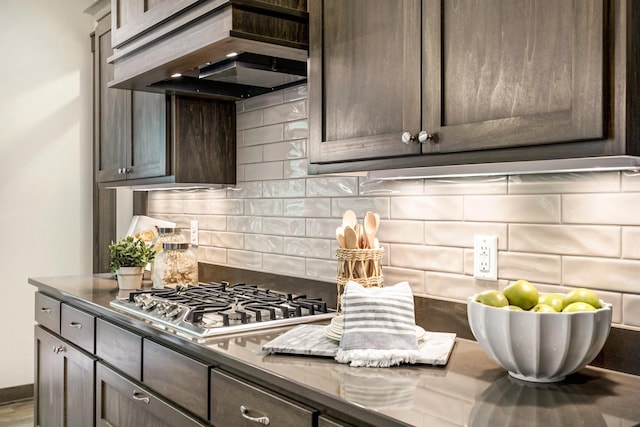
(58,349)
(421,137)
(45,310)
(139,396)
(245,414)
(76,325)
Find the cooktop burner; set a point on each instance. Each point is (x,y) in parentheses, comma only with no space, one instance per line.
(220,308)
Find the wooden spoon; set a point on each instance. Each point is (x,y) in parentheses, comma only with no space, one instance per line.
(349,218)
(371,224)
(350,238)
(340,236)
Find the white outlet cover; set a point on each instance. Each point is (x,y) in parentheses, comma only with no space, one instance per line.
(485,257)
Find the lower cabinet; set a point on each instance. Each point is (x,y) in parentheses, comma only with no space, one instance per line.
(64,383)
(235,402)
(123,403)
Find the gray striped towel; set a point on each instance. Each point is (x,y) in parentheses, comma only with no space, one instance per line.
(379,326)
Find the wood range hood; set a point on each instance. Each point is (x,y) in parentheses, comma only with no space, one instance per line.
(228,49)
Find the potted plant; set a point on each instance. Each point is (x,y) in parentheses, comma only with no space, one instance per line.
(127,259)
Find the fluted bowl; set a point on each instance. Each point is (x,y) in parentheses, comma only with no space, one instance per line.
(539,347)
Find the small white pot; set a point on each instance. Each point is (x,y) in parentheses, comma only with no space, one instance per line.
(129,277)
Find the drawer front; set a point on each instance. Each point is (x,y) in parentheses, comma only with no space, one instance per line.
(177,377)
(122,403)
(324,421)
(120,348)
(238,403)
(78,327)
(47,312)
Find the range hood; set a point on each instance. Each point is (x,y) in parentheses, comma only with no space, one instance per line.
(228,49)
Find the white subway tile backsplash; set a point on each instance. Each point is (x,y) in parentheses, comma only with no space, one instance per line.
(263,207)
(435,208)
(296,130)
(307,247)
(263,171)
(565,239)
(288,265)
(295,149)
(285,188)
(263,243)
(601,273)
(631,242)
(263,135)
(290,111)
(580,182)
(556,230)
(513,208)
(621,208)
(332,187)
(307,207)
(427,258)
(284,226)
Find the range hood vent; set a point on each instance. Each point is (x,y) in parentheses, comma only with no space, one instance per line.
(232,50)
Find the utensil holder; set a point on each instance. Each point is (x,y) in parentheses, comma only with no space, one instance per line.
(363,266)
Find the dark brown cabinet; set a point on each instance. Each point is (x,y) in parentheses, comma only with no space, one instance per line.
(484,81)
(64,383)
(122,403)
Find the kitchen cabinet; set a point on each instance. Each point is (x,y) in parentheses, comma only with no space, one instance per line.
(123,403)
(470,82)
(64,382)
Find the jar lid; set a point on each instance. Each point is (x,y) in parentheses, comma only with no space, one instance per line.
(173,246)
(166,230)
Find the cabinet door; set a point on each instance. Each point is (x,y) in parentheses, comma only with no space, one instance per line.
(64,383)
(364,78)
(111,123)
(122,403)
(515,73)
(147,152)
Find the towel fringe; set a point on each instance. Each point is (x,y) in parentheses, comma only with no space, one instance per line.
(376,358)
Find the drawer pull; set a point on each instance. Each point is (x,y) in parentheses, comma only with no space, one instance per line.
(76,325)
(58,349)
(45,310)
(245,414)
(139,396)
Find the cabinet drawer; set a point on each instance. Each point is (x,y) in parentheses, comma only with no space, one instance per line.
(325,421)
(78,327)
(177,377)
(48,312)
(237,403)
(122,403)
(120,348)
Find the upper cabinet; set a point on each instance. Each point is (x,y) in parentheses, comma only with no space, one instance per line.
(433,82)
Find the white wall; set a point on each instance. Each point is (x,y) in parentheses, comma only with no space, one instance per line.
(45,161)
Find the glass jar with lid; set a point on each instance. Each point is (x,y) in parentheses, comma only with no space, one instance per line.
(176,266)
(165,235)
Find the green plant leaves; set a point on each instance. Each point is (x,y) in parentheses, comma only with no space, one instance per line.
(130,252)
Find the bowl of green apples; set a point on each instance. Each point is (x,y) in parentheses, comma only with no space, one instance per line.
(539,337)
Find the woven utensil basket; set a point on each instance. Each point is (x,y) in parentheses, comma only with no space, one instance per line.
(363,266)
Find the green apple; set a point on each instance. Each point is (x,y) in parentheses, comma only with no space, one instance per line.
(492,297)
(543,308)
(582,295)
(578,306)
(512,307)
(521,293)
(554,300)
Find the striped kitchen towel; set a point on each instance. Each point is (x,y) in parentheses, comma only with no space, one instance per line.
(379,327)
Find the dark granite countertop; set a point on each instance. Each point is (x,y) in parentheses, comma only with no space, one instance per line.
(470,390)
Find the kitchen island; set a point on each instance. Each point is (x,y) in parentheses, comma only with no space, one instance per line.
(469,390)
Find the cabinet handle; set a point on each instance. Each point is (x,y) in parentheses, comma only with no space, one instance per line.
(58,349)
(245,414)
(421,137)
(45,310)
(139,396)
(76,325)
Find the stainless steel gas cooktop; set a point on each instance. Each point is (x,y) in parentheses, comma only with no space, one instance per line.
(212,309)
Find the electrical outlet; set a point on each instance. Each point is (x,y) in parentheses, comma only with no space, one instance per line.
(485,257)
(194,232)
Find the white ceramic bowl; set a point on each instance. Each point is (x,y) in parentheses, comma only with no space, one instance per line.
(540,347)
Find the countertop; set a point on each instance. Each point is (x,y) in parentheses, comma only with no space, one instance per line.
(470,390)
